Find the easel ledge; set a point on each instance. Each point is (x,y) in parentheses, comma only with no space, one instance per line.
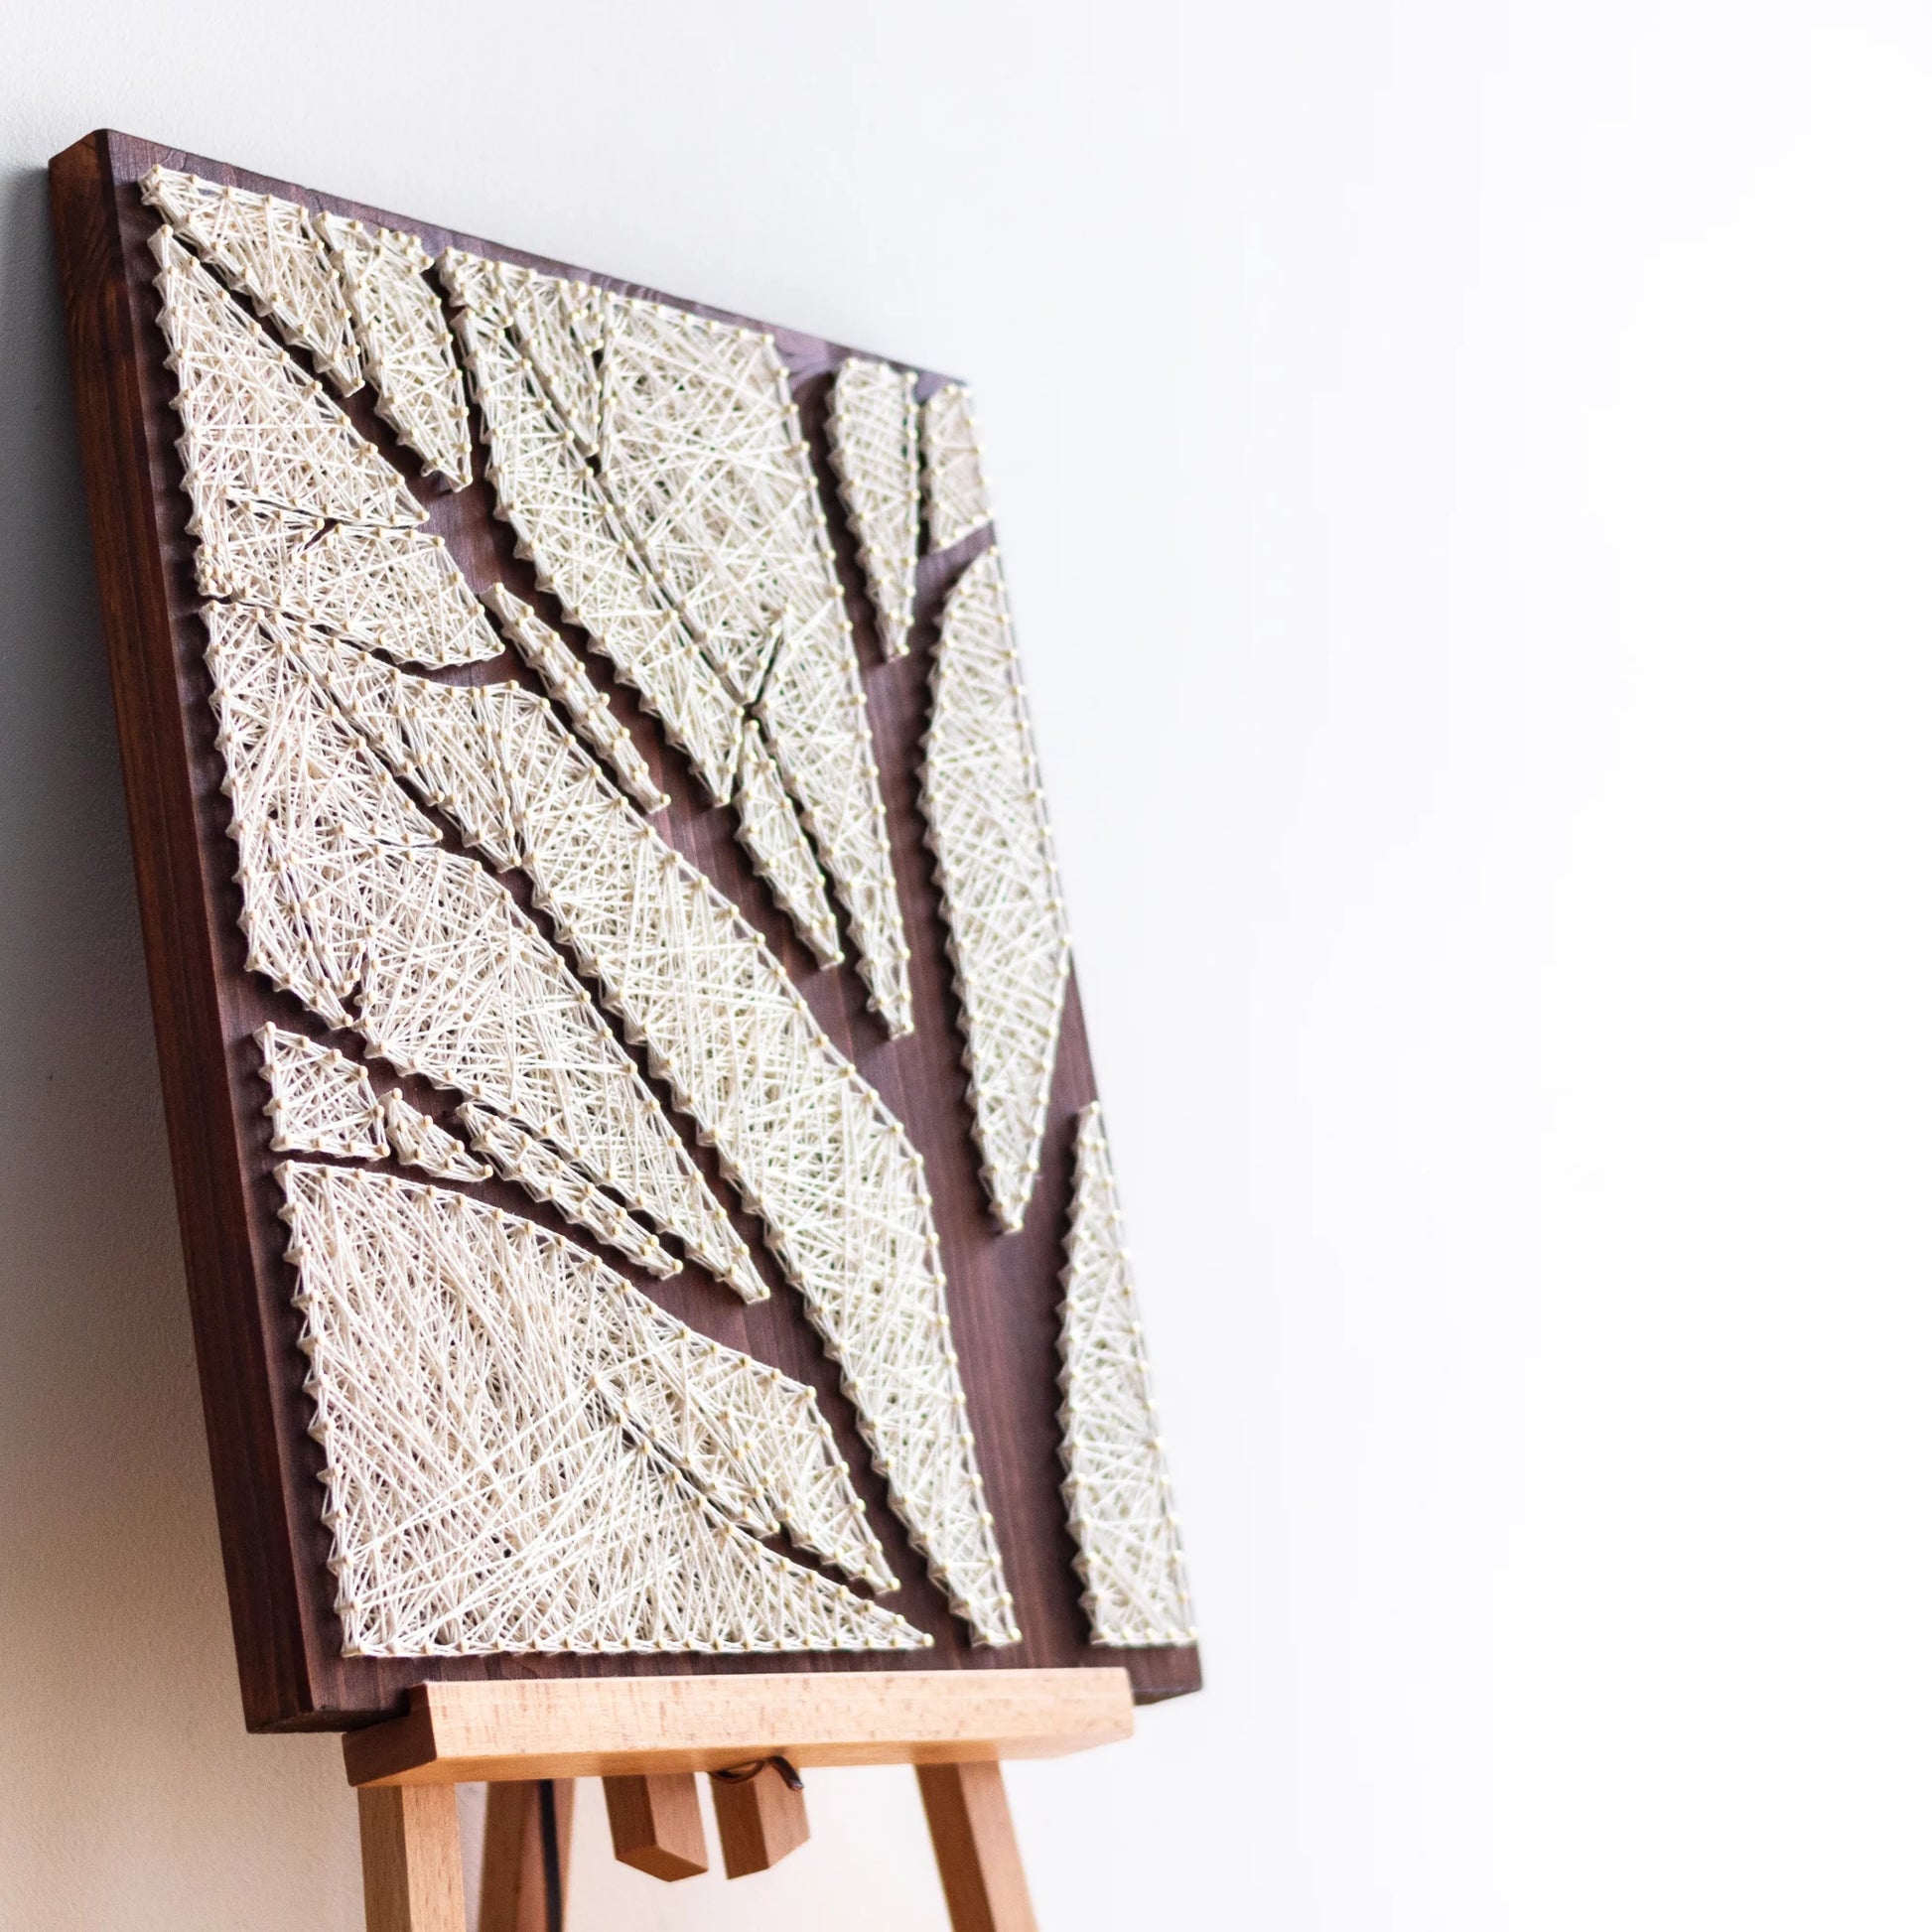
(581,1727)
(647,1737)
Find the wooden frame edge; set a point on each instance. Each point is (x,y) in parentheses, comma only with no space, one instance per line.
(257,1547)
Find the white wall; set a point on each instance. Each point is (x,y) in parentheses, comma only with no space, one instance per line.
(1466,473)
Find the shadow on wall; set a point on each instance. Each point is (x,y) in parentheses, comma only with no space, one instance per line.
(133,1778)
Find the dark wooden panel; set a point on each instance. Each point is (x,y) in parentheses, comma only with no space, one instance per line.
(1003,1290)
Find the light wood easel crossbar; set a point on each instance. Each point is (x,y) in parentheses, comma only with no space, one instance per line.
(649,1736)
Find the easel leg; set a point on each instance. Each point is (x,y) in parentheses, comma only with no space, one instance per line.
(527,1856)
(412,1859)
(979,1856)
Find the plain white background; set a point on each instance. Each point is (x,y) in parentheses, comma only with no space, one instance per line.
(1466,473)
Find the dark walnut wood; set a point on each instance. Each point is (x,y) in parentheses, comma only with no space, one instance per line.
(1004,1289)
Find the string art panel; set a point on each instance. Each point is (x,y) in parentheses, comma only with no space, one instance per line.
(607,957)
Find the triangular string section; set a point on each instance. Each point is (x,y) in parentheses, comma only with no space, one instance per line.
(406,343)
(420,1143)
(521,1453)
(958,498)
(769,831)
(813,709)
(999,889)
(268,249)
(1119,1498)
(293,508)
(874,434)
(319,1100)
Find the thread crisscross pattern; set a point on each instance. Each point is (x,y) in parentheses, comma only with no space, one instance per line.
(813,709)
(873,432)
(319,1100)
(406,345)
(349,902)
(998,888)
(293,509)
(769,831)
(958,496)
(420,1143)
(561,327)
(543,1175)
(268,249)
(594,534)
(704,455)
(474,1464)
(522,1453)
(587,708)
(808,1143)
(698,436)
(1120,1500)
(570,531)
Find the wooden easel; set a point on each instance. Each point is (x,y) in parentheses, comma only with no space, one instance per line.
(648,1737)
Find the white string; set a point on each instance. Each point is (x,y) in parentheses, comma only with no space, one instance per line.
(419,1142)
(813,709)
(704,454)
(587,708)
(1119,1498)
(998,888)
(268,249)
(702,447)
(698,436)
(293,508)
(561,327)
(521,1453)
(769,831)
(811,1148)
(706,499)
(570,531)
(958,496)
(350,904)
(319,1101)
(521,1157)
(873,431)
(406,345)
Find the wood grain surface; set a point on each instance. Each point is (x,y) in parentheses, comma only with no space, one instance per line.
(655,1824)
(1003,1290)
(976,1848)
(412,1860)
(581,1727)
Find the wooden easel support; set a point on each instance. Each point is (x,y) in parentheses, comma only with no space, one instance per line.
(655,1825)
(760,1813)
(646,1736)
(973,1840)
(526,1855)
(412,1860)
